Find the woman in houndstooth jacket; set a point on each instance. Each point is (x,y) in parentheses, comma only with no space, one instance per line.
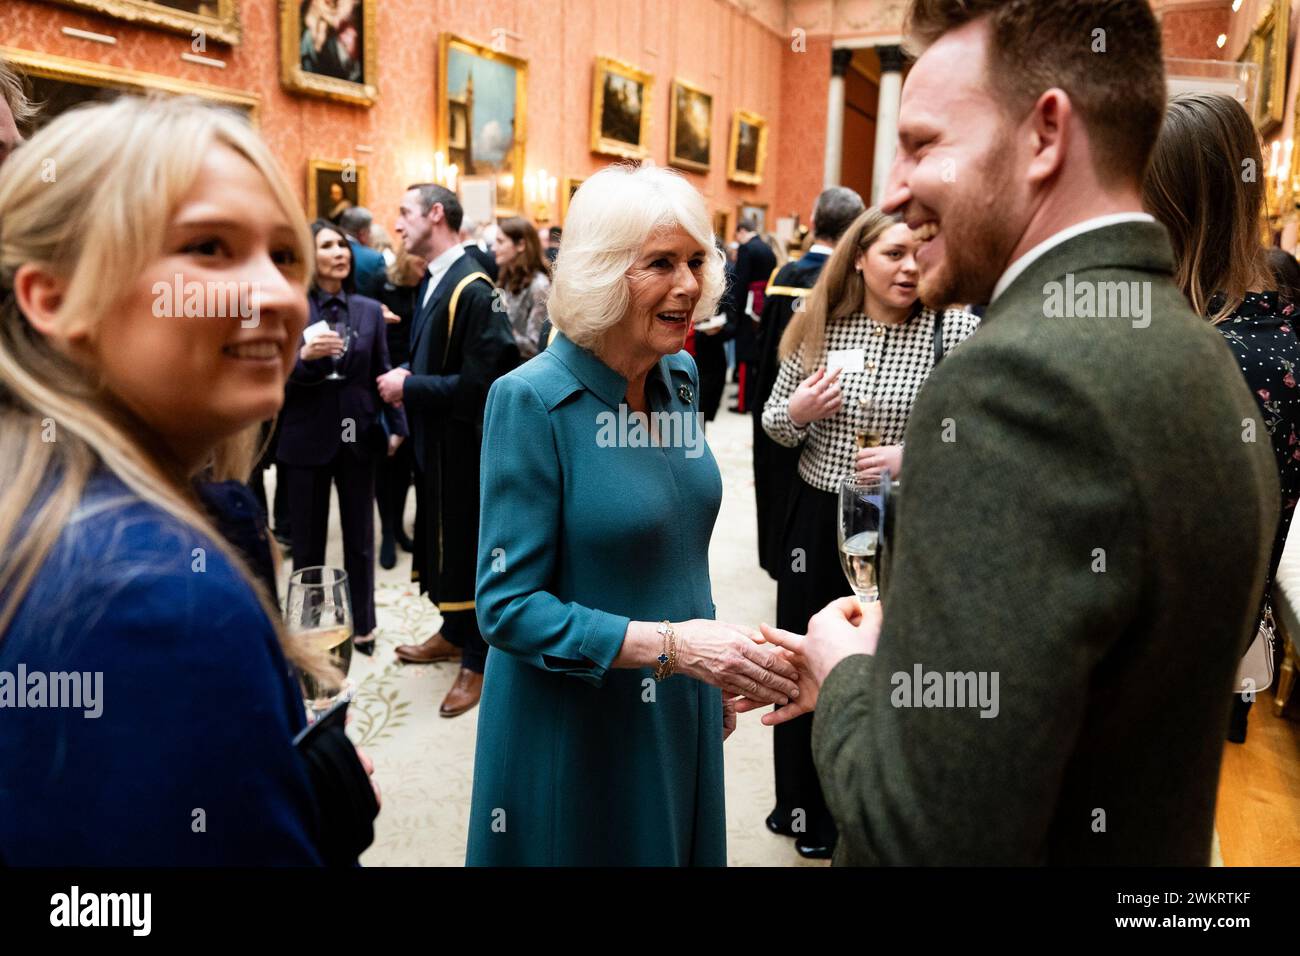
(852,363)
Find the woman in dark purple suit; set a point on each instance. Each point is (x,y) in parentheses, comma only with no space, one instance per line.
(335,430)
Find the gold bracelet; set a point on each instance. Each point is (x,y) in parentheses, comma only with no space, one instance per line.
(667,659)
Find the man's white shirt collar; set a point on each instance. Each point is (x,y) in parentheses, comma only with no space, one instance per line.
(820,247)
(1016,268)
(438,268)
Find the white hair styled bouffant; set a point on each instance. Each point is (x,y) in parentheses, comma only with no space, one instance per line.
(610,218)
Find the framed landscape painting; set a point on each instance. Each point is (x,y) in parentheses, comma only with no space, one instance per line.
(1268,50)
(59,83)
(748,148)
(621,101)
(481,114)
(690,127)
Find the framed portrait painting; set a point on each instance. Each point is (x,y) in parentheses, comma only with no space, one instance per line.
(333,187)
(622,98)
(215,19)
(327,48)
(748,150)
(690,127)
(481,113)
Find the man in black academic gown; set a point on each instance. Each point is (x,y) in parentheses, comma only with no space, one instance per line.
(755,263)
(460,344)
(775,467)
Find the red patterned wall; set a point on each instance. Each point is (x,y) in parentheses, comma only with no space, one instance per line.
(805,84)
(1193,33)
(710,42)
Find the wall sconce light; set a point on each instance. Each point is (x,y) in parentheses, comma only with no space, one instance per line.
(442,173)
(540,191)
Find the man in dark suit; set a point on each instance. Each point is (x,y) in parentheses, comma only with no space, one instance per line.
(1079,551)
(461,343)
(775,467)
(470,234)
(369,265)
(755,263)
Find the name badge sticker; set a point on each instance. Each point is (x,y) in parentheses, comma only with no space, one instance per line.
(850,360)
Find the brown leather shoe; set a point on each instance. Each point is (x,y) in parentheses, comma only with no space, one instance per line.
(464,694)
(436,648)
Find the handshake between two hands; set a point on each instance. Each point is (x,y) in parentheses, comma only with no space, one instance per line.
(772,666)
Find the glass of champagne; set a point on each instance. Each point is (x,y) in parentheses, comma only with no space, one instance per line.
(318,610)
(345,333)
(861,521)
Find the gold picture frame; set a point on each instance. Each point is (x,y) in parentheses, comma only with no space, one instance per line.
(295,78)
(690,141)
(612,123)
(68,70)
(747,154)
(326,171)
(571,185)
(1268,50)
(224,27)
(722,225)
(457,108)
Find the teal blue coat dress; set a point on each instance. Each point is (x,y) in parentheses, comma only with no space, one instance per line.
(581,531)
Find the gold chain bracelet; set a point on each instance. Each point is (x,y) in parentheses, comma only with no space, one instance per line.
(667,659)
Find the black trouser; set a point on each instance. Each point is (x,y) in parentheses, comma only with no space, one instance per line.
(461,629)
(807,580)
(459,621)
(309,510)
(392,481)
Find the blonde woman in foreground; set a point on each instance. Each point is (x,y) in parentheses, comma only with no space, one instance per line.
(159,706)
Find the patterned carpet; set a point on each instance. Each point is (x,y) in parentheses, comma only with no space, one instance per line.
(424,763)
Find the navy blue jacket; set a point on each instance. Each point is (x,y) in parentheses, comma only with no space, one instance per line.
(369,270)
(190,761)
(311,425)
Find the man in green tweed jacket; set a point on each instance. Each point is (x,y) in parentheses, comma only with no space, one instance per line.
(1081,540)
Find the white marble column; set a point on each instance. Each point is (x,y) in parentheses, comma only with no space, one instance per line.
(835,118)
(891,91)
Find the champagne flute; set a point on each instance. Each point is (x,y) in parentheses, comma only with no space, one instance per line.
(861,514)
(345,333)
(318,610)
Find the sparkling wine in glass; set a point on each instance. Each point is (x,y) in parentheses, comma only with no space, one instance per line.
(318,612)
(861,521)
(345,333)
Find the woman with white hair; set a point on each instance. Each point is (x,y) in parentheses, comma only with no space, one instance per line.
(598,500)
